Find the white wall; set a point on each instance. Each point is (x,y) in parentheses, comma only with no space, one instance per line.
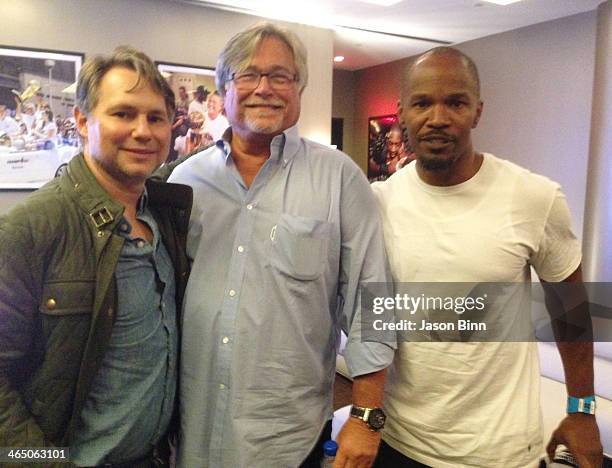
(167,31)
(537,86)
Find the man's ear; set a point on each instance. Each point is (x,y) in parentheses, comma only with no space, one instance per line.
(400,110)
(478,114)
(81,122)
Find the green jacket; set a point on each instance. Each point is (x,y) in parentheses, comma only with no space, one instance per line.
(58,254)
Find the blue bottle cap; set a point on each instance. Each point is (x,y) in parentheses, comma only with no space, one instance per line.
(330,448)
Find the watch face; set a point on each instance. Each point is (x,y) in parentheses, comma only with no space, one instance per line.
(376,419)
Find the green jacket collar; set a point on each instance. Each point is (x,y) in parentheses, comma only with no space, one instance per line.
(102,212)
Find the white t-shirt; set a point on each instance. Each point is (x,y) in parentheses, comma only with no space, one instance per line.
(215,127)
(29,120)
(455,405)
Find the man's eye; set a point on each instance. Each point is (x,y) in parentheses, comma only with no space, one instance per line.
(419,104)
(246,77)
(280,78)
(457,103)
(156,119)
(121,114)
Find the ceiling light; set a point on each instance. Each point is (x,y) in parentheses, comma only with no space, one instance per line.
(382,2)
(502,2)
(339,58)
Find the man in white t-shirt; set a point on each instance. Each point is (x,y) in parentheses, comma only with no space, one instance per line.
(199,100)
(456,215)
(215,123)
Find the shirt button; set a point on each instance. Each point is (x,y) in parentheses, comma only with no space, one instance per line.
(51,304)
(140,244)
(249,207)
(225,340)
(232,293)
(124,227)
(221,386)
(240,249)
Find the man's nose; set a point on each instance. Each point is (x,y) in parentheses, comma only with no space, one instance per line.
(264,85)
(142,127)
(438,116)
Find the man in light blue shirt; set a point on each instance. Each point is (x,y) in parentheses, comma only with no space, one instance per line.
(282,234)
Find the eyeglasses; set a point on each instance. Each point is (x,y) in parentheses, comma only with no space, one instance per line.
(248,81)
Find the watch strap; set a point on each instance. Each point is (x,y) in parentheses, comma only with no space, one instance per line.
(360,413)
(374,418)
(584,405)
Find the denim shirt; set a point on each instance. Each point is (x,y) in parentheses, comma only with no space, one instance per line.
(130,405)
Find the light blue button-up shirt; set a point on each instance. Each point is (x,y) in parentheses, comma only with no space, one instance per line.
(275,275)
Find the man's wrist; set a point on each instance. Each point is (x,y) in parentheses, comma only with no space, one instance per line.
(373,418)
(584,405)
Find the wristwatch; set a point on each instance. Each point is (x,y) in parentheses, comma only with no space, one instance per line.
(584,405)
(374,417)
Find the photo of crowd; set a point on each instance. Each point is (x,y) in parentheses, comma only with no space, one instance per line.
(200,117)
(37,130)
(388,147)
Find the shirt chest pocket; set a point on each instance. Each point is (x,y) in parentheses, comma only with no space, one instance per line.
(299,246)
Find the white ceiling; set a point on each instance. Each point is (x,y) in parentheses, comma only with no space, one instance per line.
(407,28)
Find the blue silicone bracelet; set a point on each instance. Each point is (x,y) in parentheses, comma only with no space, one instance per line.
(581,405)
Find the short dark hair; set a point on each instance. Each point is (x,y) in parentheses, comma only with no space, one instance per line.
(94,69)
(449,51)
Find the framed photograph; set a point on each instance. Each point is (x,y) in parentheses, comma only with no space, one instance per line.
(200,117)
(388,147)
(37,130)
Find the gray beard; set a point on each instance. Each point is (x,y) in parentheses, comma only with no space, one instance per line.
(268,129)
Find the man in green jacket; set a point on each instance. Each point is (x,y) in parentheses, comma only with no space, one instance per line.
(92,272)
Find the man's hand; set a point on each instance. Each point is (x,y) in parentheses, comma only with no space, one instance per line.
(357,445)
(580,434)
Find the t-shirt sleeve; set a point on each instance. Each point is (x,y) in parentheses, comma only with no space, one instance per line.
(558,254)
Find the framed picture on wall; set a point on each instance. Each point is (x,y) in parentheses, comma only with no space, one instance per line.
(388,148)
(200,118)
(37,130)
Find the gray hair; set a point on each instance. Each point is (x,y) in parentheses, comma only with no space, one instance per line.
(238,52)
(448,51)
(94,69)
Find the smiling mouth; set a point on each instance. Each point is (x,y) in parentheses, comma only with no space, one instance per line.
(264,106)
(143,152)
